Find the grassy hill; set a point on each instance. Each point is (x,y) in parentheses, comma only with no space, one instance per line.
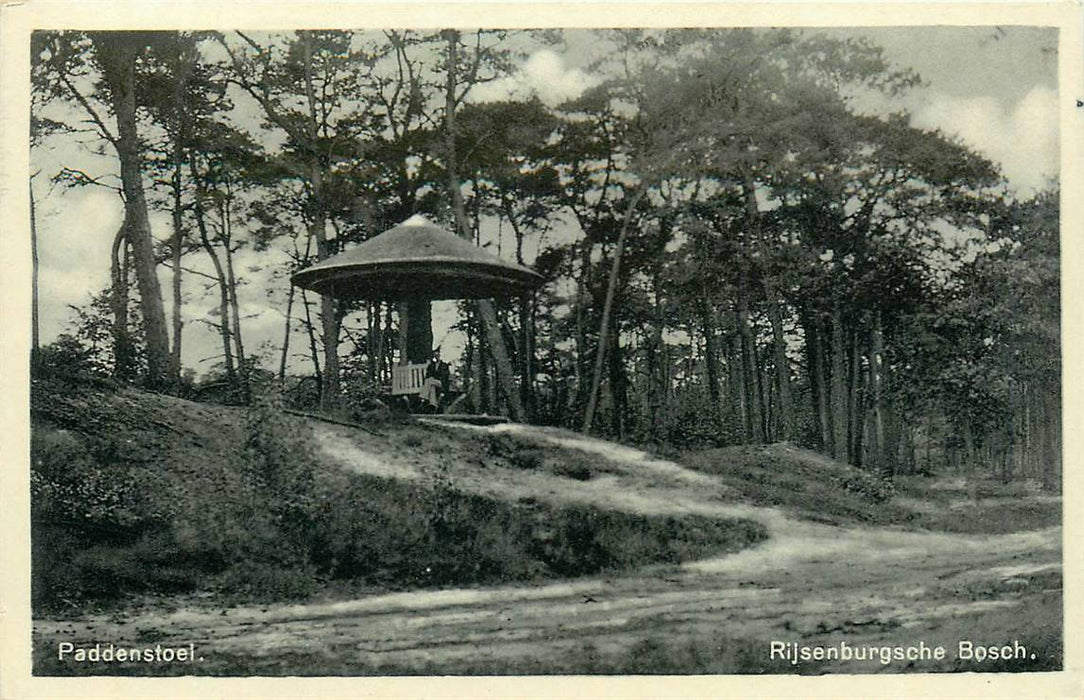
(137,495)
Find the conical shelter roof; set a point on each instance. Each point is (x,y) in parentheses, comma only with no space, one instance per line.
(417,259)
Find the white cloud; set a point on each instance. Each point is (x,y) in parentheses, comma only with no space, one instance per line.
(75,234)
(543,74)
(1021,137)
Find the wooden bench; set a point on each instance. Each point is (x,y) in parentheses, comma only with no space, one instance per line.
(407,379)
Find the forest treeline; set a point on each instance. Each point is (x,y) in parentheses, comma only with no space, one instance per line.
(734,253)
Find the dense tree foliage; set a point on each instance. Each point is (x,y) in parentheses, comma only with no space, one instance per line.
(733,252)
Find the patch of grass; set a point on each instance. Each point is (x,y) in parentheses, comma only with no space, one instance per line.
(801,481)
(990,517)
(526,453)
(379,531)
(817,488)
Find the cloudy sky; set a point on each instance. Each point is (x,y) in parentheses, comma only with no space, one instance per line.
(994,88)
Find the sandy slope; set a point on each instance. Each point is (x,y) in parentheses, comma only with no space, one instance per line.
(808,582)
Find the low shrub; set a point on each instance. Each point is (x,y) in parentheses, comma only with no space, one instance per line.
(572,469)
(68,483)
(695,424)
(872,487)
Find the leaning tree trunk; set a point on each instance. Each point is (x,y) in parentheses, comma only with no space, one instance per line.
(286,334)
(486,312)
(607,309)
(310,332)
(220,276)
(118,302)
(118,62)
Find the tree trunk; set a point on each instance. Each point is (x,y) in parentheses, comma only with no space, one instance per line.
(118,302)
(486,312)
(525,309)
(176,244)
(330,319)
(754,432)
(785,412)
(618,385)
(1051,440)
(529,371)
(501,362)
(755,417)
(386,350)
(180,135)
(711,359)
(583,302)
(656,365)
(220,275)
(838,388)
(286,333)
(372,340)
(763,391)
(418,322)
(876,364)
(223,287)
(118,61)
(235,306)
(310,330)
(735,387)
(329,316)
(817,388)
(607,309)
(856,423)
(893,434)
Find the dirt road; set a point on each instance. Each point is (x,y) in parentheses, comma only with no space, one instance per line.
(809,583)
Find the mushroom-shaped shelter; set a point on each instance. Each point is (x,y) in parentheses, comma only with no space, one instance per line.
(417,260)
(415,263)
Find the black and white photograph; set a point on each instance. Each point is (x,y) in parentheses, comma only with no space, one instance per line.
(415,349)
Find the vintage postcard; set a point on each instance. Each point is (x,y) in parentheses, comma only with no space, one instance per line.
(541,349)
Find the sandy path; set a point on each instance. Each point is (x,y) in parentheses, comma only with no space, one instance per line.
(807,581)
(785,590)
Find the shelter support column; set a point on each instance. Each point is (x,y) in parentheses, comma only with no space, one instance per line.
(415,330)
